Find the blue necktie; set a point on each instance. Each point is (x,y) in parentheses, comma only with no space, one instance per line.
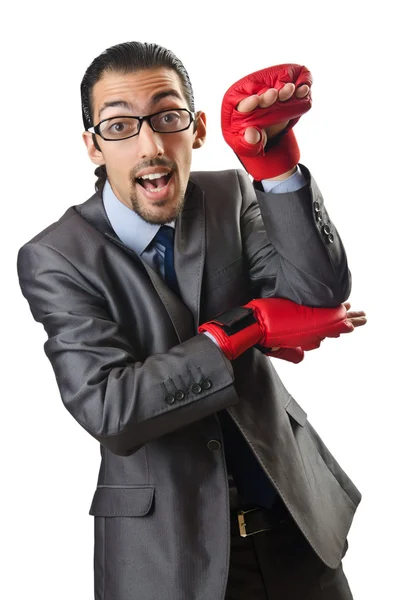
(165,237)
(252,483)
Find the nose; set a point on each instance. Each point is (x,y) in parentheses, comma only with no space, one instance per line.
(150,143)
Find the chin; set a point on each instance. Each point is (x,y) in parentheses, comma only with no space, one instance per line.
(158,213)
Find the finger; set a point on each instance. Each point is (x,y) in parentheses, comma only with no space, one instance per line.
(268,98)
(345,326)
(248,104)
(252,135)
(293,355)
(355,313)
(347,305)
(358,321)
(302,91)
(286,92)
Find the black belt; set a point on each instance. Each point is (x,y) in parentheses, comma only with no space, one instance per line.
(249,520)
(256,520)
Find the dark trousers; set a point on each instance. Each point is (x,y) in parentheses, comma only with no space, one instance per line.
(279,564)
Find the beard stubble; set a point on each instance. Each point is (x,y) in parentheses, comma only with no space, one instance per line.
(153,216)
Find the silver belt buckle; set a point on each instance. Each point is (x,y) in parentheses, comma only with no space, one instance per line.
(242,525)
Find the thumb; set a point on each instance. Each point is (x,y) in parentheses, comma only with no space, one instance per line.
(253,136)
(244,148)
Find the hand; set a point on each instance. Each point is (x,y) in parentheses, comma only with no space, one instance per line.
(260,107)
(252,135)
(286,324)
(296,355)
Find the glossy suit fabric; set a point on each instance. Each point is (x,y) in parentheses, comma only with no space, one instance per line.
(133,372)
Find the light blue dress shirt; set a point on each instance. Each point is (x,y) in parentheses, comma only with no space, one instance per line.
(133,231)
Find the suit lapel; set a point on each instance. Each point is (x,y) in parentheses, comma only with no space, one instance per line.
(94,212)
(189,254)
(177,311)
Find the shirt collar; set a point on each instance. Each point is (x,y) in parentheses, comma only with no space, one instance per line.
(132,230)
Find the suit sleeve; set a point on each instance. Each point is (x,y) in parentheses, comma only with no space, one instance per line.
(119,400)
(291,246)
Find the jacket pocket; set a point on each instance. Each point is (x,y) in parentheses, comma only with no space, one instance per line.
(296,411)
(222,276)
(111,501)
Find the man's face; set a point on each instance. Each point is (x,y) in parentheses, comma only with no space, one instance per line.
(169,154)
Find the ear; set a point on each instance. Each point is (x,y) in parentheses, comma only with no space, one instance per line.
(94,154)
(201,130)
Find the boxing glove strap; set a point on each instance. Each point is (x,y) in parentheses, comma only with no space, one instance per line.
(235,330)
(235,319)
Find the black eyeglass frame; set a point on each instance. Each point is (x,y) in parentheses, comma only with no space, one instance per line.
(95,128)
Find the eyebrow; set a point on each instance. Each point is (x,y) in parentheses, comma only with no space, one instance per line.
(153,101)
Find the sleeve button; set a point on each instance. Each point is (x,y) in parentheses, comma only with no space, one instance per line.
(206,384)
(316,206)
(170,399)
(326,230)
(196,388)
(179,395)
(330,238)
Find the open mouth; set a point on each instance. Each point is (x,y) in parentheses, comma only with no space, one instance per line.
(154,182)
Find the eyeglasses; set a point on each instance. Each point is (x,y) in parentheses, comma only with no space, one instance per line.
(165,121)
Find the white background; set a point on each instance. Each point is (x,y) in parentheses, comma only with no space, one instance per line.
(49,464)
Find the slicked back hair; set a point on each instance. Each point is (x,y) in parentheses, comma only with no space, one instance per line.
(127,58)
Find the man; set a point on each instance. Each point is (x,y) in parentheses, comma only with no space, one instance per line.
(159,345)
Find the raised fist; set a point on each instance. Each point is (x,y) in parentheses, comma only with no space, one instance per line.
(258,113)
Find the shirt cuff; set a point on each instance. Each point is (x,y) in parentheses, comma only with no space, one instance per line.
(296,181)
(211,337)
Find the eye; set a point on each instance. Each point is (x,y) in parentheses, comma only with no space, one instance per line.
(171,118)
(119,127)
(169,121)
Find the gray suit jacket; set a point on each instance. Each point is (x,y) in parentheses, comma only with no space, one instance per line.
(133,372)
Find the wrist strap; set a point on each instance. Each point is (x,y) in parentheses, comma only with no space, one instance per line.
(234,320)
(235,330)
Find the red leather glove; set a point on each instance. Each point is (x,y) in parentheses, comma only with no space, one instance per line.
(288,325)
(281,153)
(273,322)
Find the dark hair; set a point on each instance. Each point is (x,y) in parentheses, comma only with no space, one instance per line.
(126,58)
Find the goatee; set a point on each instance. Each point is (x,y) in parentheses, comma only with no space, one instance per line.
(153,219)
(145,211)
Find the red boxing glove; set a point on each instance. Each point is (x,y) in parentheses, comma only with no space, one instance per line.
(288,325)
(275,322)
(282,152)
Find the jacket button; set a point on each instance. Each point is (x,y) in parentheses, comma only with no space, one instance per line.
(214,445)
(196,388)
(326,230)
(170,399)
(206,384)
(316,206)
(179,395)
